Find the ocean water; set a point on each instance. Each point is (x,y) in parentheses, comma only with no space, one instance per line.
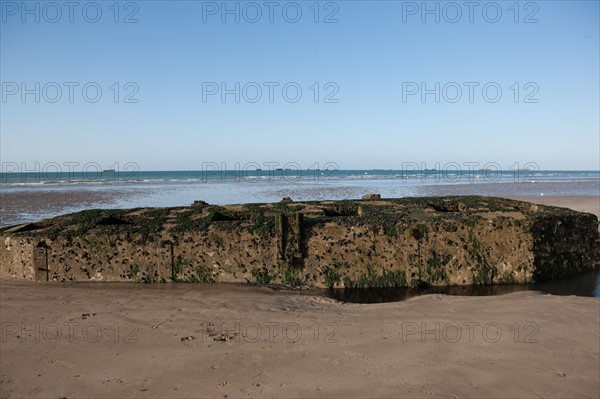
(452,174)
(27,197)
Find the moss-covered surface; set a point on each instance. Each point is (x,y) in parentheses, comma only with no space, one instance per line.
(350,243)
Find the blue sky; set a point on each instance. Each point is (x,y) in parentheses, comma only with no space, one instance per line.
(364,64)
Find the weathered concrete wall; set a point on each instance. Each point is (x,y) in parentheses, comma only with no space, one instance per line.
(427,241)
(17,257)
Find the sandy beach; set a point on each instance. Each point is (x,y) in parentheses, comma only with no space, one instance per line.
(307,199)
(139,341)
(128,340)
(587,204)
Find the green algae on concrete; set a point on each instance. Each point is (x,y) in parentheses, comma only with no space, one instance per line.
(351,243)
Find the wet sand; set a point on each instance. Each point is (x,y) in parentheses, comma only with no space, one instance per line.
(29,205)
(127,340)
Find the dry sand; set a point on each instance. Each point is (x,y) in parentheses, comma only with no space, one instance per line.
(518,345)
(581,204)
(127,340)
